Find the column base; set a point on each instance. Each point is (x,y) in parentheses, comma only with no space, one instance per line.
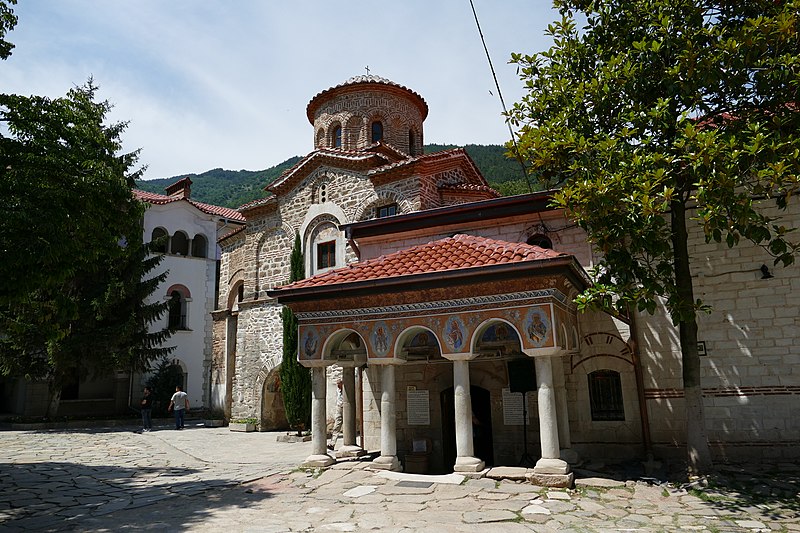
(315,461)
(468,464)
(387,462)
(552,480)
(350,451)
(551,466)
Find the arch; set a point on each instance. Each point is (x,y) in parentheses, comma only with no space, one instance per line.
(272,411)
(179,243)
(345,345)
(177,310)
(418,343)
(159,240)
(384,196)
(199,246)
(496,338)
(323,244)
(541,240)
(353,132)
(235,290)
(184,372)
(319,138)
(183,289)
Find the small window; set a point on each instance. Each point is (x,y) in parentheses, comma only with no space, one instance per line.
(337,137)
(326,255)
(240,293)
(323,193)
(542,241)
(377,131)
(412,143)
(160,239)
(177,311)
(180,243)
(386,211)
(199,246)
(605,396)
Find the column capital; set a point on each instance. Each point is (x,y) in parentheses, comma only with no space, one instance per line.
(463,356)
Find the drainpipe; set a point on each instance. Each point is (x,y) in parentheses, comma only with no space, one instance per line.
(637,370)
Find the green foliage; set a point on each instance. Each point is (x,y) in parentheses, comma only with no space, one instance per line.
(226,188)
(166,376)
(7,22)
(233,188)
(295,378)
(655,114)
(72,300)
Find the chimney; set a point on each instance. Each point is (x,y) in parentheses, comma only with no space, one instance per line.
(180,189)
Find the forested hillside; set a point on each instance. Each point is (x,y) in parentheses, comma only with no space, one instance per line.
(232,188)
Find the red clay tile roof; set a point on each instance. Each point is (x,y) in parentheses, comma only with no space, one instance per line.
(452,253)
(355,82)
(161,199)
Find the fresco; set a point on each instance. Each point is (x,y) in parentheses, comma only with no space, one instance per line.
(309,343)
(538,327)
(380,338)
(454,334)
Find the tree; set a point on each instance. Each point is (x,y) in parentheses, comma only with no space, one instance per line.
(7,22)
(657,114)
(73,260)
(295,378)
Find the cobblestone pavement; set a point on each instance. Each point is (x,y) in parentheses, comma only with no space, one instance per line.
(210,479)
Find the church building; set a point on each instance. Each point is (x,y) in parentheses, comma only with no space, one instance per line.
(447,312)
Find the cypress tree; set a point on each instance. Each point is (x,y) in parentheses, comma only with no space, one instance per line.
(295,378)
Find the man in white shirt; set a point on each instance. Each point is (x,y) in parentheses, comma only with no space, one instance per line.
(180,403)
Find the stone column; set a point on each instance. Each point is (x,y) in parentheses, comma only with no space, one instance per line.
(564,439)
(550,464)
(465,453)
(319,430)
(388,458)
(349,448)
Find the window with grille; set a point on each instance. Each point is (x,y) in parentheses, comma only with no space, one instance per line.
(177,311)
(605,396)
(326,255)
(386,211)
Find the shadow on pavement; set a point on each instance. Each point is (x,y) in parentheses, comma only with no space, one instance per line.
(56,496)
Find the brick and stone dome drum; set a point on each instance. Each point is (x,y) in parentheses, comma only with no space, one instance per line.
(365,110)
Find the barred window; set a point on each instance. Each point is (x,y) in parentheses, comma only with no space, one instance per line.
(605,396)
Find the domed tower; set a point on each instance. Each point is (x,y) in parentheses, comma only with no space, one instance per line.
(365,110)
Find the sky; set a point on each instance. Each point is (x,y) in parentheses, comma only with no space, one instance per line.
(212,84)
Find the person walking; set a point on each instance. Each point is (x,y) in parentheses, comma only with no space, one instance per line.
(180,405)
(147,410)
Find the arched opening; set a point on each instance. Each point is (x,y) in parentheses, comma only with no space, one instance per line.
(199,246)
(497,339)
(418,344)
(336,136)
(273,412)
(159,240)
(540,240)
(180,243)
(177,310)
(345,346)
(377,131)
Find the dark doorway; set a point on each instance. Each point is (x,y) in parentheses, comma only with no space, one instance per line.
(481,426)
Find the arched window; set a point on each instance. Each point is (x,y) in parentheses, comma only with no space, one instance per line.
(160,240)
(337,136)
(412,143)
(323,193)
(542,241)
(180,243)
(377,131)
(199,246)
(177,310)
(605,395)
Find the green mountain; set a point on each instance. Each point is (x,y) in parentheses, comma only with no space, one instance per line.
(232,188)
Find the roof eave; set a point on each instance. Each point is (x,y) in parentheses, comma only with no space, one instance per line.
(566,265)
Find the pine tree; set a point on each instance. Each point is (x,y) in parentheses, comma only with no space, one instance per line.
(295,378)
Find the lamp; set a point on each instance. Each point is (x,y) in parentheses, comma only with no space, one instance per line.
(765,273)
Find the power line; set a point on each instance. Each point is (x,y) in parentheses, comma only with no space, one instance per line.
(502,102)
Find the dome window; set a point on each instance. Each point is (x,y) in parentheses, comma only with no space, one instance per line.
(377,131)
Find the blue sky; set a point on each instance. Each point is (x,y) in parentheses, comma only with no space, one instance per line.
(207,84)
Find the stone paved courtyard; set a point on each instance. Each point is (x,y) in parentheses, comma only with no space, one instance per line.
(210,479)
